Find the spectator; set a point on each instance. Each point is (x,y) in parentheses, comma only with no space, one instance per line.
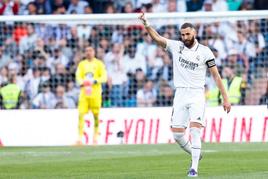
(100,53)
(56,4)
(148,49)
(246,6)
(233,85)
(215,5)
(146,96)
(83,31)
(45,74)
(73,38)
(194,5)
(32,85)
(20,30)
(77,56)
(45,99)
(31,9)
(9,7)
(40,49)
(165,95)
(139,3)
(159,6)
(118,34)
(116,75)
(235,61)
(61,31)
(234,5)
(44,32)
(66,50)
(28,42)
(10,95)
(62,100)
(109,8)
(72,91)
(172,6)
(3,76)
(128,8)
(43,6)
(247,52)
(147,7)
(134,83)
(256,37)
(207,6)
(215,39)
(166,71)
(4,58)
(133,60)
(156,64)
(181,5)
(60,10)
(78,6)
(61,77)
(88,10)
(57,58)
(13,70)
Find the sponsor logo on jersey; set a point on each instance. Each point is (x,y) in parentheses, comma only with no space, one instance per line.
(187,64)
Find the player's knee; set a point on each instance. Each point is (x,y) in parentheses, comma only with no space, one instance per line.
(177,136)
(177,129)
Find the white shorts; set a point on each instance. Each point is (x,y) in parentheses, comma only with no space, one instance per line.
(188,106)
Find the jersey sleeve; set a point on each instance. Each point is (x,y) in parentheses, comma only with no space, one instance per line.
(209,58)
(173,45)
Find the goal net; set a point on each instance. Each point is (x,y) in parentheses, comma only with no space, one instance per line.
(43,53)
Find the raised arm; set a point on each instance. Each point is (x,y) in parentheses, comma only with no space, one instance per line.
(217,78)
(161,41)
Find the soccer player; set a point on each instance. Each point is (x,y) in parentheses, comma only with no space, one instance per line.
(90,75)
(190,62)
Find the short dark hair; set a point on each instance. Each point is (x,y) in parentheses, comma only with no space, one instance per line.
(186,25)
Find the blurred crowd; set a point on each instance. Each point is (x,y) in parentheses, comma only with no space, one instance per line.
(42,58)
(33,7)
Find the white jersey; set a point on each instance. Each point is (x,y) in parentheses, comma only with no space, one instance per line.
(189,65)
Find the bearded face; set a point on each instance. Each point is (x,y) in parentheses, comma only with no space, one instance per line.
(188,37)
(189,42)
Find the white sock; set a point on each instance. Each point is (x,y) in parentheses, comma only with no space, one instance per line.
(183,143)
(196,146)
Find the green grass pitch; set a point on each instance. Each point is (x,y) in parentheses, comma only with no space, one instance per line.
(167,161)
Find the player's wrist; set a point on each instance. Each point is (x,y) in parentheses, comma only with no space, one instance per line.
(146,24)
(225,100)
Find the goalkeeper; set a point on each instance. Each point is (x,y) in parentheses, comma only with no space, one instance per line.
(90,75)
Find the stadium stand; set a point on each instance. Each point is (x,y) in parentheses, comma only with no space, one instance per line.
(45,56)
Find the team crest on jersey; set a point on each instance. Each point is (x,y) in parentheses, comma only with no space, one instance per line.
(197,57)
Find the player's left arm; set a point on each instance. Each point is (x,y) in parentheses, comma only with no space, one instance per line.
(216,76)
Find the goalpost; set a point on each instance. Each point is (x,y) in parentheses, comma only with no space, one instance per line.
(238,38)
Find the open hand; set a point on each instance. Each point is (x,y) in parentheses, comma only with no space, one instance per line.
(226,106)
(142,18)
